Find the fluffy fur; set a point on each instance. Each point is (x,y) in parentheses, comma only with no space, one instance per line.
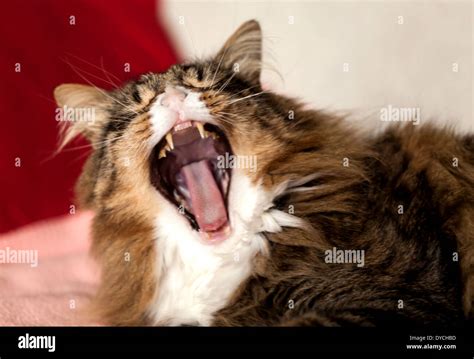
(319,184)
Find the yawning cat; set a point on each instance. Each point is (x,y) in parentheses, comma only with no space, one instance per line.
(219,203)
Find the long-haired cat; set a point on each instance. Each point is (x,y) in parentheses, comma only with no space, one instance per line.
(219,203)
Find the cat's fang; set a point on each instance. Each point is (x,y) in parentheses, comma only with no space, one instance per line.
(169,140)
(201,130)
(162,153)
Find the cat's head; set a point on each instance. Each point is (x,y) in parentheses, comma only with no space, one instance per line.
(199,142)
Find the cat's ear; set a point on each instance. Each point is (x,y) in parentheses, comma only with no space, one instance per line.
(81,112)
(243,51)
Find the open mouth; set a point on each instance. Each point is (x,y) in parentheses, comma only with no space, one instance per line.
(185,169)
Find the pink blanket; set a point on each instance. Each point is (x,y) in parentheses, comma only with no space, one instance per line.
(52,288)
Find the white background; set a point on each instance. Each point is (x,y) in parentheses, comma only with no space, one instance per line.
(404,65)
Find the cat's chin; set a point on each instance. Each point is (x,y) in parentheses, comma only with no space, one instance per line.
(186,167)
(216,237)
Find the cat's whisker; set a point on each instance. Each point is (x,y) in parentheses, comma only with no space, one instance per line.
(230,122)
(76,70)
(225,83)
(218,66)
(247,97)
(102,68)
(229,102)
(245,89)
(224,118)
(226,102)
(76,148)
(229,114)
(106,73)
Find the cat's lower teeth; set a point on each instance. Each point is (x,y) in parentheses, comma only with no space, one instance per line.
(225,182)
(184,191)
(183,202)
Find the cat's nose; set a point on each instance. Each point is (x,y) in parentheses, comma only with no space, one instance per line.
(173,99)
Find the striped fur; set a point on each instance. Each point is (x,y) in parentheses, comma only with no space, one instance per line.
(343,186)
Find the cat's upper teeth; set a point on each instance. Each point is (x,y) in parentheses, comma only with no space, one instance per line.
(184,125)
(201,130)
(169,140)
(181,126)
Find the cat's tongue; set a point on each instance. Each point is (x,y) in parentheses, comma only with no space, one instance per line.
(206,199)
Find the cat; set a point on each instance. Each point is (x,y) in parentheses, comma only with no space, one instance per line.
(331,226)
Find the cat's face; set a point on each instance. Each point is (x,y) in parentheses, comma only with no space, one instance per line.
(195,141)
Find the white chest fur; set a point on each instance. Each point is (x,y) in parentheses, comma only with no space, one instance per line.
(196,279)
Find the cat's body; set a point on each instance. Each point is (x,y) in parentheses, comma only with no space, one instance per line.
(409,209)
(402,200)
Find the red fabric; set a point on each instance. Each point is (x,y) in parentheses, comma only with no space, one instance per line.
(38,35)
